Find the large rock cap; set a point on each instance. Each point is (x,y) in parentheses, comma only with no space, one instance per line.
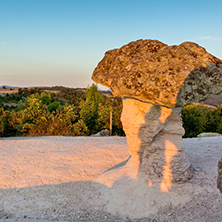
(152,71)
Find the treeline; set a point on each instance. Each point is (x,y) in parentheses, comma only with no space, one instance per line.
(70,95)
(74,112)
(68,112)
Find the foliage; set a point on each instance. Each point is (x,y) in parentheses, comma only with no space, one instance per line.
(1,122)
(117,107)
(199,119)
(89,108)
(214,123)
(39,113)
(95,112)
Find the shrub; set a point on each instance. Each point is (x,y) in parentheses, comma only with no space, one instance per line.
(194,119)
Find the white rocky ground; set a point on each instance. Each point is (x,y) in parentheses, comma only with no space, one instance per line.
(53,179)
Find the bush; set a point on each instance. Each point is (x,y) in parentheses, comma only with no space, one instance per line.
(214,121)
(194,119)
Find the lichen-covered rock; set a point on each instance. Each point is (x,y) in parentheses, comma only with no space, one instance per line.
(201,84)
(152,71)
(219,179)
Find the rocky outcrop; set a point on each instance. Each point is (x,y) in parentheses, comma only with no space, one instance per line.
(152,79)
(164,75)
(219,179)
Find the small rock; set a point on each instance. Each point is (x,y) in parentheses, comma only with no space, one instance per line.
(102,133)
(210,134)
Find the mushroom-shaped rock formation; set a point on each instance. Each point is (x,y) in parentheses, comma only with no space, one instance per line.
(153,79)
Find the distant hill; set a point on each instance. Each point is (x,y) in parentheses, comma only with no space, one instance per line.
(6,86)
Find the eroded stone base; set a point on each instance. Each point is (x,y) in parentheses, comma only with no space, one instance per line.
(154,136)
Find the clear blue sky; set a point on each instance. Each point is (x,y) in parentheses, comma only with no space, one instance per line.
(60,42)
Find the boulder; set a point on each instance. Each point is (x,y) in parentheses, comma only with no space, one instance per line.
(153,79)
(154,72)
(219,179)
(105,132)
(210,134)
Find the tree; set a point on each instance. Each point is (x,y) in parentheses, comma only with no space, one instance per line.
(214,117)
(117,111)
(104,108)
(1,122)
(45,98)
(89,108)
(194,119)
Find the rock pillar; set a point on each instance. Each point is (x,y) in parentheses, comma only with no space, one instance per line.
(154,136)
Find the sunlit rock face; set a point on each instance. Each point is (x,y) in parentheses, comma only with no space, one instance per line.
(164,75)
(154,136)
(219,179)
(152,79)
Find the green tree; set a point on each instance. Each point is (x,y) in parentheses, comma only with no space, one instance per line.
(117,111)
(79,128)
(89,108)
(35,118)
(8,123)
(194,119)
(214,117)
(45,98)
(104,109)
(53,106)
(66,122)
(1,122)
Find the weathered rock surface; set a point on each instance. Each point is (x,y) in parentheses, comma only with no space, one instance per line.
(152,71)
(219,179)
(152,79)
(154,136)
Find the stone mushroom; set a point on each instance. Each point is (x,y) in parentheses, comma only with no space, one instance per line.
(154,81)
